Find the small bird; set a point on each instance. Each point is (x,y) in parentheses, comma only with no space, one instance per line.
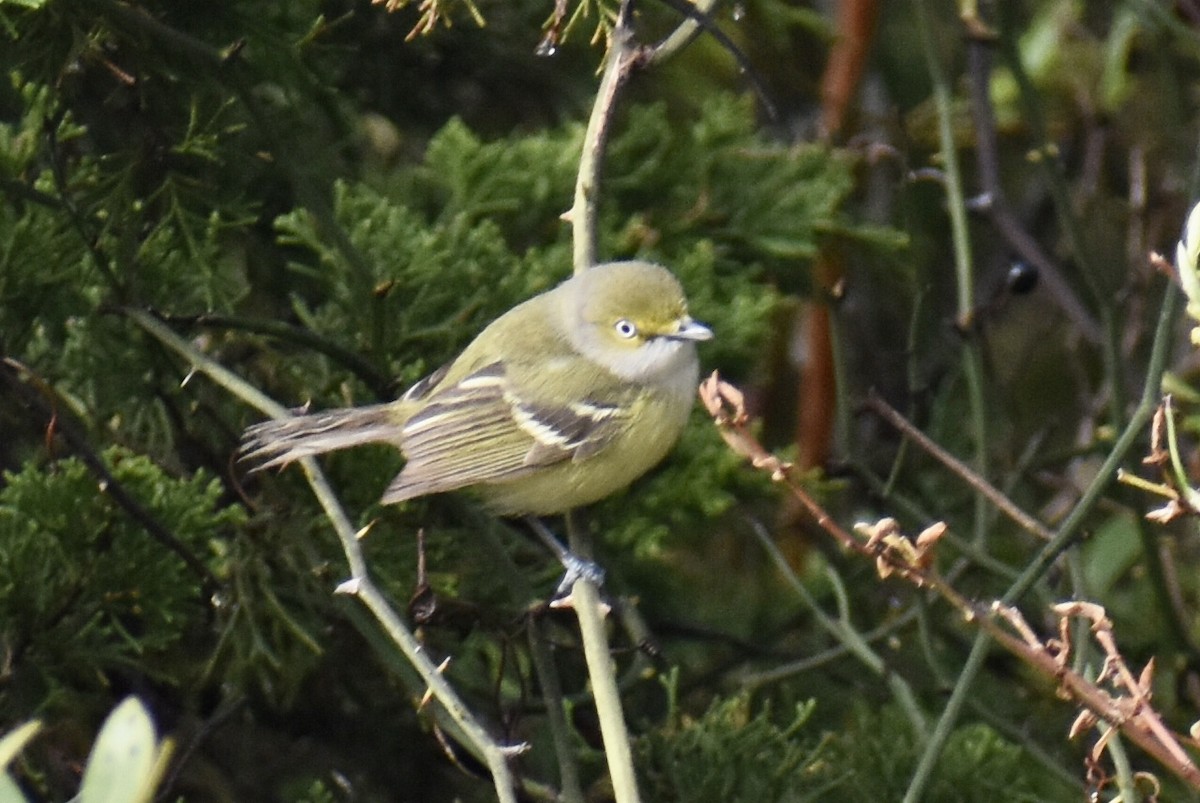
(560,402)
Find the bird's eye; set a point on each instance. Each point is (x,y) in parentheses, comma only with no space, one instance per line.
(626,328)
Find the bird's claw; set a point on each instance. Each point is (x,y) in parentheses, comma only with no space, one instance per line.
(578,569)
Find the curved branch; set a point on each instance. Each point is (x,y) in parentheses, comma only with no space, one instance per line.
(360,584)
(623,57)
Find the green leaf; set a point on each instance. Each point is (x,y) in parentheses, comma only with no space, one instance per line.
(15,740)
(126,761)
(9,791)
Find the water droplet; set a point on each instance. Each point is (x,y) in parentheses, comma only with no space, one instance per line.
(548,46)
(739,11)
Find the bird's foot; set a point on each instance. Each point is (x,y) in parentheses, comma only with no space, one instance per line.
(577,569)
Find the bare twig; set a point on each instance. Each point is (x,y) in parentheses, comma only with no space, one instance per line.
(360,585)
(877,405)
(912,560)
(543,662)
(376,380)
(695,15)
(623,57)
(682,36)
(727,405)
(853,641)
(987,161)
(585,600)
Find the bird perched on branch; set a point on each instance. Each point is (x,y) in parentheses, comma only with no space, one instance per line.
(563,400)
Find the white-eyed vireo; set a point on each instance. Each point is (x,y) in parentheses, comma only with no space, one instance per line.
(563,400)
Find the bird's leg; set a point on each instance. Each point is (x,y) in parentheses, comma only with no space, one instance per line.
(577,568)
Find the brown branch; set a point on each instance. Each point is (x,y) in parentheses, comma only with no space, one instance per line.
(1128,710)
(877,405)
(816,395)
(856,22)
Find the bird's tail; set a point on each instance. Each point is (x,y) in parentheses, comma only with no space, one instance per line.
(279,442)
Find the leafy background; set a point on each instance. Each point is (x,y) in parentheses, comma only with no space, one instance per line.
(331,210)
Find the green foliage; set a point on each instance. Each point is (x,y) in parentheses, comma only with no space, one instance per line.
(125,765)
(76,596)
(411,299)
(522,182)
(762,203)
(209,162)
(730,753)
(317,792)
(878,753)
(452,243)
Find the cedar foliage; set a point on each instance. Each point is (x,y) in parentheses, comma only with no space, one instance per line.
(331,213)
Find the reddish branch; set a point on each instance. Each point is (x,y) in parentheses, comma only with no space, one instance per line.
(1117,697)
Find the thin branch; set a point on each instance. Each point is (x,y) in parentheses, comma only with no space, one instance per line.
(623,56)
(570,787)
(751,679)
(693,14)
(560,731)
(83,227)
(360,584)
(34,392)
(376,380)
(912,561)
(585,600)
(952,177)
(682,36)
(964,269)
(855,642)
(877,405)
(1066,534)
(914,511)
(987,161)
(1019,734)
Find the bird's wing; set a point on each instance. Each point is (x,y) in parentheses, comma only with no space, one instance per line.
(483,429)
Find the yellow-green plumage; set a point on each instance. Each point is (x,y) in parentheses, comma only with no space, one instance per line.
(563,400)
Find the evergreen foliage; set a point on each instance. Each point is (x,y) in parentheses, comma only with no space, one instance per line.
(331,213)
(76,598)
(732,752)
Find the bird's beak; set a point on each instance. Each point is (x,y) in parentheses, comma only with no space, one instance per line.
(692,330)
